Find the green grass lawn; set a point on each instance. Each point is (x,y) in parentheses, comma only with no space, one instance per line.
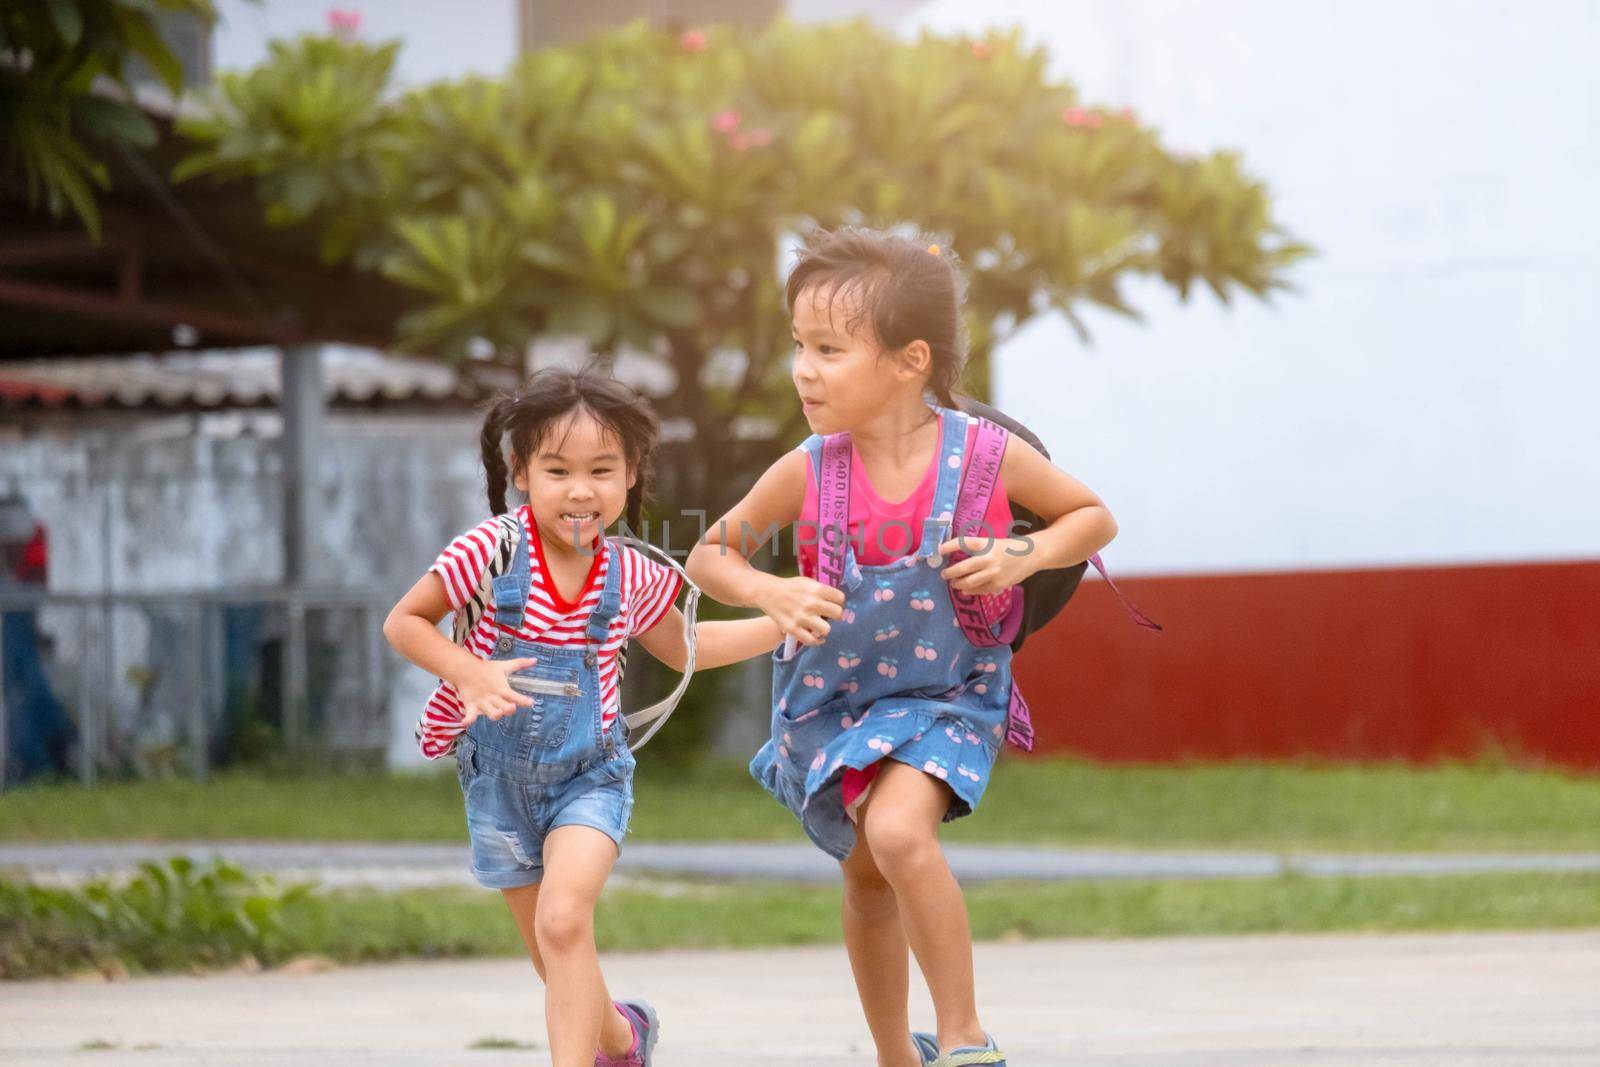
(1269,806)
(471,922)
(354,927)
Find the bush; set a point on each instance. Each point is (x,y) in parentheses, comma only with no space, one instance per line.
(170,916)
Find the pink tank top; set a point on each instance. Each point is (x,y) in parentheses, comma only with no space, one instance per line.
(883,531)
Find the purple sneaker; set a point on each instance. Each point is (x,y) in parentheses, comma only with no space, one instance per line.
(646,1029)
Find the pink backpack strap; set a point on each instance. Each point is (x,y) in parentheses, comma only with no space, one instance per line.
(989,621)
(986,620)
(833,508)
(1134,613)
(1019,720)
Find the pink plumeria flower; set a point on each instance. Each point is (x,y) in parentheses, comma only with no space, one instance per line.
(727,121)
(693,42)
(981,49)
(344,22)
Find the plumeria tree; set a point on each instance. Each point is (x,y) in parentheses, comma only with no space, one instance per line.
(637,189)
(66,96)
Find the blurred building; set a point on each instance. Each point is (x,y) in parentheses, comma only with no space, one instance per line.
(1368,514)
(543,23)
(485,36)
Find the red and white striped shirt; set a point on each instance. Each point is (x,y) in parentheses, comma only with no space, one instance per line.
(648,589)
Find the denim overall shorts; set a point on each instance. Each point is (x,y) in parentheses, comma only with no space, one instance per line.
(551,764)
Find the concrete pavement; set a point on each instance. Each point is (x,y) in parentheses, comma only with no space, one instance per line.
(1462,1000)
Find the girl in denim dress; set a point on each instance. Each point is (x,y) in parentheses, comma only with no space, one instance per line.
(893,693)
(529,705)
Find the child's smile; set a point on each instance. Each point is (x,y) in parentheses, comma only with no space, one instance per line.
(577,482)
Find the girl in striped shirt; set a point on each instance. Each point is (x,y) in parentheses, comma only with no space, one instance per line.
(530,704)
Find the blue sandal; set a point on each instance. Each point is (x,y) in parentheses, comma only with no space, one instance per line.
(927,1047)
(990,1056)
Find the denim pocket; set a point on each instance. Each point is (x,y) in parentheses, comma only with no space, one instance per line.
(556,697)
(618,768)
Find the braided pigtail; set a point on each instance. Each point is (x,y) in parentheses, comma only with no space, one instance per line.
(490,440)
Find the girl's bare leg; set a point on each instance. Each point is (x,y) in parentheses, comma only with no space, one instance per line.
(901,824)
(557,922)
(878,956)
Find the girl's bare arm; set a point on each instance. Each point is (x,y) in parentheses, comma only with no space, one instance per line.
(720,563)
(413,629)
(717,644)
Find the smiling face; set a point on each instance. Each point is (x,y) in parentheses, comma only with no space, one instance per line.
(841,372)
(577,481)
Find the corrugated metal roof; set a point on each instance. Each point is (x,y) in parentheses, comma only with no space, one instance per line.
(224,379)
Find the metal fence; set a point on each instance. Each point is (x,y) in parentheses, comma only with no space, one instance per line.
(169,639)
(146,684)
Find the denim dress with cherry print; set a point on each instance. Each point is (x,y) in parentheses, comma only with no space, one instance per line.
(897,678)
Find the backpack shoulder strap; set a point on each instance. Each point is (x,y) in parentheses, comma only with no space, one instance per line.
(655,716)
(508,535)
(986,620)
(833,507)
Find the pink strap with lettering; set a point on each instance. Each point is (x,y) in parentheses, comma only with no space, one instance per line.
(833,509)
(1019,721)
(992,620)
(986,620)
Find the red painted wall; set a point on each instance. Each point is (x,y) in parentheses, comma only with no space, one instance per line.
(1415,664)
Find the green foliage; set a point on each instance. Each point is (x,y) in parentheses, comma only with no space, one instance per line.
(56,121)
(1067,802)
(169,916)
(363,926)
(636,188)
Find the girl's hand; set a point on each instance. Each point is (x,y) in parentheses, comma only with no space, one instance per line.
(484,689)
(802,607)
(993,564)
